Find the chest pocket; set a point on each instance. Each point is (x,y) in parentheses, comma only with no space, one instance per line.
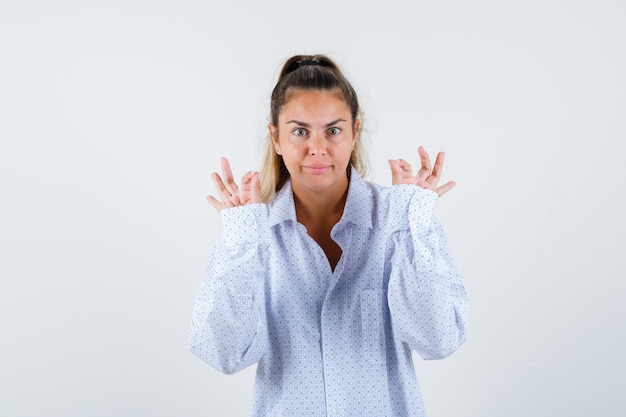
(371,325)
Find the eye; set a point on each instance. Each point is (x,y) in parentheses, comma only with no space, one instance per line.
(299,132)
(333,131)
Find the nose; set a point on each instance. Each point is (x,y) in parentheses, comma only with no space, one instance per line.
(317,145)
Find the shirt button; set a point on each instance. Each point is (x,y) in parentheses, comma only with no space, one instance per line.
(331,357)
(334,411)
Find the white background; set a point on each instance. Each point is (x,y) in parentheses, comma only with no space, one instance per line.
(113,115)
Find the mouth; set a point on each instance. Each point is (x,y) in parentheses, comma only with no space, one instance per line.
(316,169)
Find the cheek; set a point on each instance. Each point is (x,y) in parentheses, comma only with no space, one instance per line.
(347,147)
(294,149)
(291,154)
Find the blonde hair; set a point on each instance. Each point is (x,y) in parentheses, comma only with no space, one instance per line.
(307,72)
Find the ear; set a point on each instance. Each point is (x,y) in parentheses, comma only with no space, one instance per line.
(274,135)
(356,129)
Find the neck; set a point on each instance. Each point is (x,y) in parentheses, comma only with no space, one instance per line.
(319,212)
(315,207)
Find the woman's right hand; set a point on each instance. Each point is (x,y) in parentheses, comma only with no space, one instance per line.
(231,195)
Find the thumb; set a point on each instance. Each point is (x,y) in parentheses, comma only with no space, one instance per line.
(255,188)
(396,172)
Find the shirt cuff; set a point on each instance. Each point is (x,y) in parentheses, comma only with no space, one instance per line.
(422,210)
(244,224)
(418,203)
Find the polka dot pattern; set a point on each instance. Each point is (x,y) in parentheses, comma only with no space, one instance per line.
(332,343)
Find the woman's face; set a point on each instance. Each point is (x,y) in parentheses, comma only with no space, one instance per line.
(315,137)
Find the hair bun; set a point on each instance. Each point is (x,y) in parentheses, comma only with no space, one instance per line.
(305,62)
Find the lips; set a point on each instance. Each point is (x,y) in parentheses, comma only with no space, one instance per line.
(316,169)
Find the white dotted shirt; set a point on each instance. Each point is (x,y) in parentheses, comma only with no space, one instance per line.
(332,343)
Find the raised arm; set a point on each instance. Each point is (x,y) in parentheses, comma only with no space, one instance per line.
(228,326)
(427,298)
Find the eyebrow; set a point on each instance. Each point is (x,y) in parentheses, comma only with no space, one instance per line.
(303,124)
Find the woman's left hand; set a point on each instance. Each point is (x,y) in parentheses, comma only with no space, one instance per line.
(402,173)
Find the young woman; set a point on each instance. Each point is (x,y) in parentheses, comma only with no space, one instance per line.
(326,281)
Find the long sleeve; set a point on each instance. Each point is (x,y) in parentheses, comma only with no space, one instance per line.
(427,299)
(228,326)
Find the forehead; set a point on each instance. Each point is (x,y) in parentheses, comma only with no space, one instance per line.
(314,105)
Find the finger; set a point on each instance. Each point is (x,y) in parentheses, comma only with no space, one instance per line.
(230,183)
(435,175)
(246,185)
(405,167)
(255,189)
(445,188)
(400,170)
(222,190)
(396,172)
(218,205)
(424,171)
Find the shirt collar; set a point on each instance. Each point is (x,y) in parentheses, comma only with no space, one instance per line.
(282,208)
(358,209)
